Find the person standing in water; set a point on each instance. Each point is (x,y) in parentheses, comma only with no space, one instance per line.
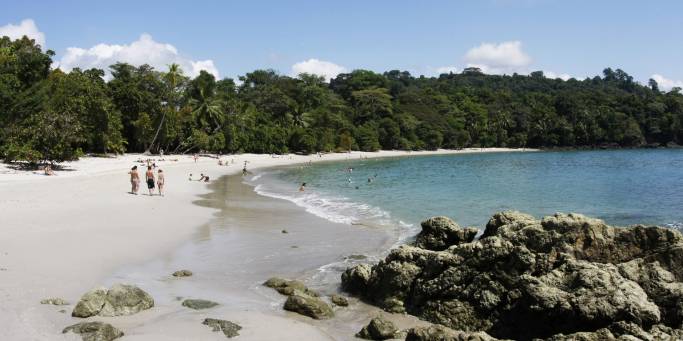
(161,181)
(134,180)
(149,176)
(303,187)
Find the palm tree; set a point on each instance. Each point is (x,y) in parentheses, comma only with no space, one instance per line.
(208,110)
(172,77)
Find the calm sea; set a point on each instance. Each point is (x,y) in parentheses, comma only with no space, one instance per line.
(622,187)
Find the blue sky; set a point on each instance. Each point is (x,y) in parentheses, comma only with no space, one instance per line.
(577,38)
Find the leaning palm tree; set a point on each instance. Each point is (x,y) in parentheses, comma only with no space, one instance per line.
(173,76)
(208,110)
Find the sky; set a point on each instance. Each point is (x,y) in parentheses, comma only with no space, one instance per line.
(230,38)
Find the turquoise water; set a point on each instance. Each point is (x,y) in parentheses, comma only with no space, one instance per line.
(622,187)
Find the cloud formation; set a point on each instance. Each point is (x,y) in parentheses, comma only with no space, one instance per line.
(314,66)
(142,51)
(446,69)
(665,83)
(504,58)
(27,27)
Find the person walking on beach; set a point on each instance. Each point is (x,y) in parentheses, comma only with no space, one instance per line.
(149,176)
(134,180)
(161,181)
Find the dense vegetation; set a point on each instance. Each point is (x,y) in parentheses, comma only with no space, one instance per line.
(47,114)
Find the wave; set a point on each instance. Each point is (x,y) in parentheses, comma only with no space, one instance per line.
(335,209)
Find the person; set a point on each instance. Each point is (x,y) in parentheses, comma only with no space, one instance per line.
(161,152)
(303,187)
(161,181)
(220,162)
(134,180)
(190,178)
(203,177)
(48,170)
(195,158)
(244,170)
(149,176)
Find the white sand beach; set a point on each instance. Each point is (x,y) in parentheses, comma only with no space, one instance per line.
(65,234)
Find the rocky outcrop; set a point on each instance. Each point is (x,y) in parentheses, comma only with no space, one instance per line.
(120,299)
(228,328)
(182,273)
(378,329)
(307,305)
(197,304)
(565,275)
(438,233)
(440,333)
(94,331)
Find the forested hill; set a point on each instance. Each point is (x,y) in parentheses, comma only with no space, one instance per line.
(46,114)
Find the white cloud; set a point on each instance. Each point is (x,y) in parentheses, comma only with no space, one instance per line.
(314,66)
(27,27)
(446,69)
(553,75)
(142,51)
(504,58)
(665,83)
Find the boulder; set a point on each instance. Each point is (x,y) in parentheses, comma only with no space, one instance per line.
(90,303)
(94,331)
(378,329)
(355,279)
(289,287)
(54,301)
(340,301)
(307,305)
(198,304)
(438,233)
(228,328)
(123,299)
(182,273)
(564,276)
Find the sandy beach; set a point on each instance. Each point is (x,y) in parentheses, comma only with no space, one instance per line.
(63,235)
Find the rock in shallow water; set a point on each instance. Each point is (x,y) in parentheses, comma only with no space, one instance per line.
(526,278)
(289,287)
(121,299)
(228,328)
(340,301)
(310,306)
(198,304)
(94,331)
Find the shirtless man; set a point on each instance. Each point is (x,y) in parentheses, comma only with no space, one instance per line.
(149,176)
(161,181)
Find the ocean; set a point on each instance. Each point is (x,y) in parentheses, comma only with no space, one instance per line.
(622,187)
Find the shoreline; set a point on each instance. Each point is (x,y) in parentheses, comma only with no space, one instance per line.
(64,237)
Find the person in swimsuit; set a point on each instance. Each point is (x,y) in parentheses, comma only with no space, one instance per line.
(134,180)
(161,181)
(303,187)
(149,176)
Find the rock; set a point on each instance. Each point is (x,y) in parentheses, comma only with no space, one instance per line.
(228,328)
(54,301)
(310,306)
(182,273)
(339,300)
(437,332)
(94,331)
(287,287)
(378,329)
(198,304)
(561,277)
(90,303)
(123,299)
(355,280)
(438,233)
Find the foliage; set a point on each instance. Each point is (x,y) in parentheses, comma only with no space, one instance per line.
(51,115)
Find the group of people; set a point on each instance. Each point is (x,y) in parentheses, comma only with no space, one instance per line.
(153,182)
